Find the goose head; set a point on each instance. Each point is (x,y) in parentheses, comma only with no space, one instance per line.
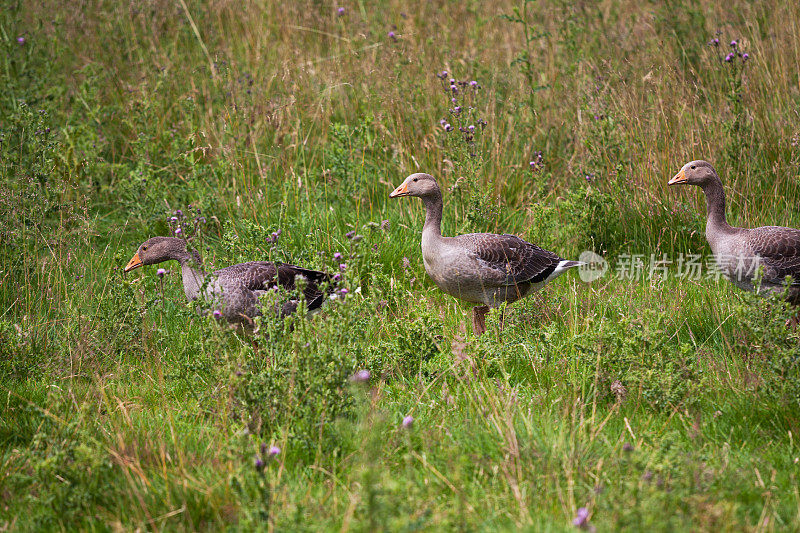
(157,250)
(420,185)
(699,173)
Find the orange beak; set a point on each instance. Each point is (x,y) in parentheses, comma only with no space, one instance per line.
(135,262)
(680,177)
(402,190)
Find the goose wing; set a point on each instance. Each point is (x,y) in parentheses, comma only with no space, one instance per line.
(254,275)
(779,251)
(262,275)
(513,259)
(259,276)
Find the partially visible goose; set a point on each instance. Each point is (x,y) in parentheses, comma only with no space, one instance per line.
(481,268)
(740,252)
(235,289)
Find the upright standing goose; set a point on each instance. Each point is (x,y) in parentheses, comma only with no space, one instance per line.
(740,252)
(481,268)
(235,289)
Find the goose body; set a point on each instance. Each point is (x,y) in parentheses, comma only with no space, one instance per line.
(489,269)
(741,252)
(233,291)
(486,269)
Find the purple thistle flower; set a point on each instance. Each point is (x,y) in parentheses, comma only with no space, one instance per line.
(408,421)
(362,376)
(473,83)
(734,44)
(581,518)
(392,36)
(217,313)
(343,267)
(715,42)
(452,81)
(728,58)
(454,100)
(337,277)
(273,451)
(745,56)
(337,256)
(444,74)
(443,122)
(173,219)
(343,291)
(160,272)
(259,463)
(454,88)
(178,231)
(471,128)
(350,234)
(448,127)
(340,11)
(20,40)
(179,213)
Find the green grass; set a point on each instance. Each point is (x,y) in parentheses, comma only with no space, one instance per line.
(658,404)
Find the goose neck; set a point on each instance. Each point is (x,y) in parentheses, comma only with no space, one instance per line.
(715,207)
(192,273)
(433,215)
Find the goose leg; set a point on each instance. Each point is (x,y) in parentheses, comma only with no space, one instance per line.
(479,319)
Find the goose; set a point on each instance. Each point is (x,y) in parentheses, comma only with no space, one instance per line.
(481,268)
(234,290)
(740,252)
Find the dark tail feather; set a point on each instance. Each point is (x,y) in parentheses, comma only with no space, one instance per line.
(312,275)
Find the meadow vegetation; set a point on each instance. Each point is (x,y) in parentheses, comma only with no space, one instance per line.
(648,402)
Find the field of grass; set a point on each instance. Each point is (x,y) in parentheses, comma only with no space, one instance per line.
(656,402)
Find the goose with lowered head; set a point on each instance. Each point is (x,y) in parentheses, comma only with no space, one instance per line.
(234,290)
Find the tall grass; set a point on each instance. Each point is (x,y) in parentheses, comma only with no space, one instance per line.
(656,403)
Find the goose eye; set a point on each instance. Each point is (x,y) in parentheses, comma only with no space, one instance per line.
(416,179)
(144,248)
(693,167)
